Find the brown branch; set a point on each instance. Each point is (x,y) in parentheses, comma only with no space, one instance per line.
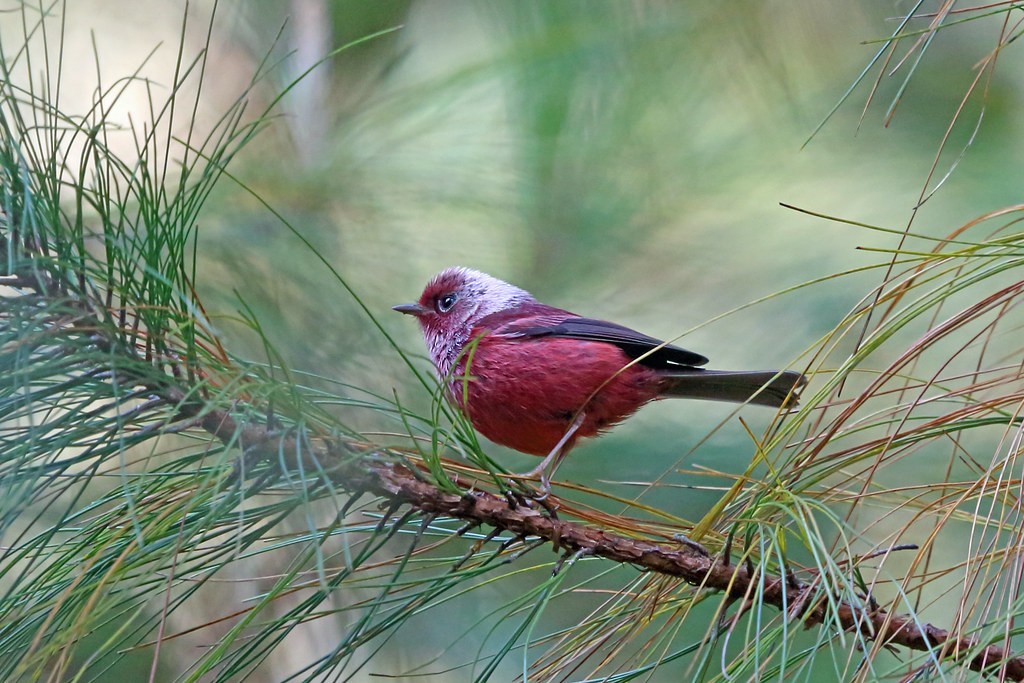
(397,483)
(400,485)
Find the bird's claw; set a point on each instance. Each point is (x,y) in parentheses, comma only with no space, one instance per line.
(530,499)
(545,501)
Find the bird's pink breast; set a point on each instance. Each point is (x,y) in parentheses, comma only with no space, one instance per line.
(524,393)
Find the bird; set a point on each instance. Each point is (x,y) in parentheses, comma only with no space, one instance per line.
(538,379)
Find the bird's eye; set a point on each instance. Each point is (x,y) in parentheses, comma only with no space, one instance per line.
(446,301)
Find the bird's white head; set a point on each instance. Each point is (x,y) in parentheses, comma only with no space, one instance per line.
(453,303)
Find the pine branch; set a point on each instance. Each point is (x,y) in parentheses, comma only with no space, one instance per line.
(360,473)
(356,470)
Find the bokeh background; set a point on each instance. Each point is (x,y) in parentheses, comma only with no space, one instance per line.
(624,160)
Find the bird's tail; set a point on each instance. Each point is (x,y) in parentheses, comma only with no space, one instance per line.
(767,388)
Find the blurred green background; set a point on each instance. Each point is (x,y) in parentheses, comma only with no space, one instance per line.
(623,160)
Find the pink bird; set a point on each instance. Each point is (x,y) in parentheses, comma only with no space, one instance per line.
(537,378)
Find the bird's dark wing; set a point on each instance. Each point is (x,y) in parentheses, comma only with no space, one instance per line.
(634,344)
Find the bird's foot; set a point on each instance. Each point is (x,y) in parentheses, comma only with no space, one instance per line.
(528,497)
(549,504)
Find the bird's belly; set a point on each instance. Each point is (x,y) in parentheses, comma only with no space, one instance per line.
(526,394)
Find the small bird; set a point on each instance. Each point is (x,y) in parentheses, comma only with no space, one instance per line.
(537,378)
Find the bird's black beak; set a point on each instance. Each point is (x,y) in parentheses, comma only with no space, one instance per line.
(411,309)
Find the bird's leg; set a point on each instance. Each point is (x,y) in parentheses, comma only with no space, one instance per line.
(546,469)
